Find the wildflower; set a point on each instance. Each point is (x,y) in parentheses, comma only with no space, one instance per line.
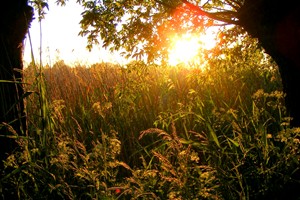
(194,157)
(118,191)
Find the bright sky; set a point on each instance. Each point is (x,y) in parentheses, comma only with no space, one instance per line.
(60,40)
(186,48)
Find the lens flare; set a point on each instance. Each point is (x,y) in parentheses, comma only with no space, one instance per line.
(185,49)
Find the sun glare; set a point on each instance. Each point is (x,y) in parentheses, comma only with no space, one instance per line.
(183,50)
(186,49)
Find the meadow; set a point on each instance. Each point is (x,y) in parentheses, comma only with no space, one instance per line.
(148,131)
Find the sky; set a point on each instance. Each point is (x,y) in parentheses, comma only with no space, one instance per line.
(60,40)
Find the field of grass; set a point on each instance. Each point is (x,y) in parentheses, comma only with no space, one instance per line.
(146,131)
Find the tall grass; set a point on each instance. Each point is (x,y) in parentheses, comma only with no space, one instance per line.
(157,132)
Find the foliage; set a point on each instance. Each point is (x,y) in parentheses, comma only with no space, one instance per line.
(134,26)
(40,6)
(56,162)
(144,131)
(174,171)
(72,171)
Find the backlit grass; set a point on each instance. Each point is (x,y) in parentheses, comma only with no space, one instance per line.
(145,131)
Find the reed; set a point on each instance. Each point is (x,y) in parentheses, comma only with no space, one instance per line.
(145,131)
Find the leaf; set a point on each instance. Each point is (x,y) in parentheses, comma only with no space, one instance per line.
(26,94)
(45,5)
(213,134)
(233,142)
(7,81)
(184,141)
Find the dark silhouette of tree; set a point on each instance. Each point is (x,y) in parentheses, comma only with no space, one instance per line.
(276,24)
(136,25)
(15,17)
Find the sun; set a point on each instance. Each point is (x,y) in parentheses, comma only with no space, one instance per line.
(185,49)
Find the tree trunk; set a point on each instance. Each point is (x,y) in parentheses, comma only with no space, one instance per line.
(276,24)
(15,17)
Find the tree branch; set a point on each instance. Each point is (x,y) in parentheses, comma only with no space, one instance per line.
(225,16)
(232,4)
(165,4)
(239,3)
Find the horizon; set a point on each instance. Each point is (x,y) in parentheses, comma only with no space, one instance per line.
(60,39)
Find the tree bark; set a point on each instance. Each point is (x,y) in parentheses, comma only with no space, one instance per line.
(15,17)
(276,24)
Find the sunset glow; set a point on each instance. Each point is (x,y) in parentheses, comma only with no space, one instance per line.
(186,49)
(183,50)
